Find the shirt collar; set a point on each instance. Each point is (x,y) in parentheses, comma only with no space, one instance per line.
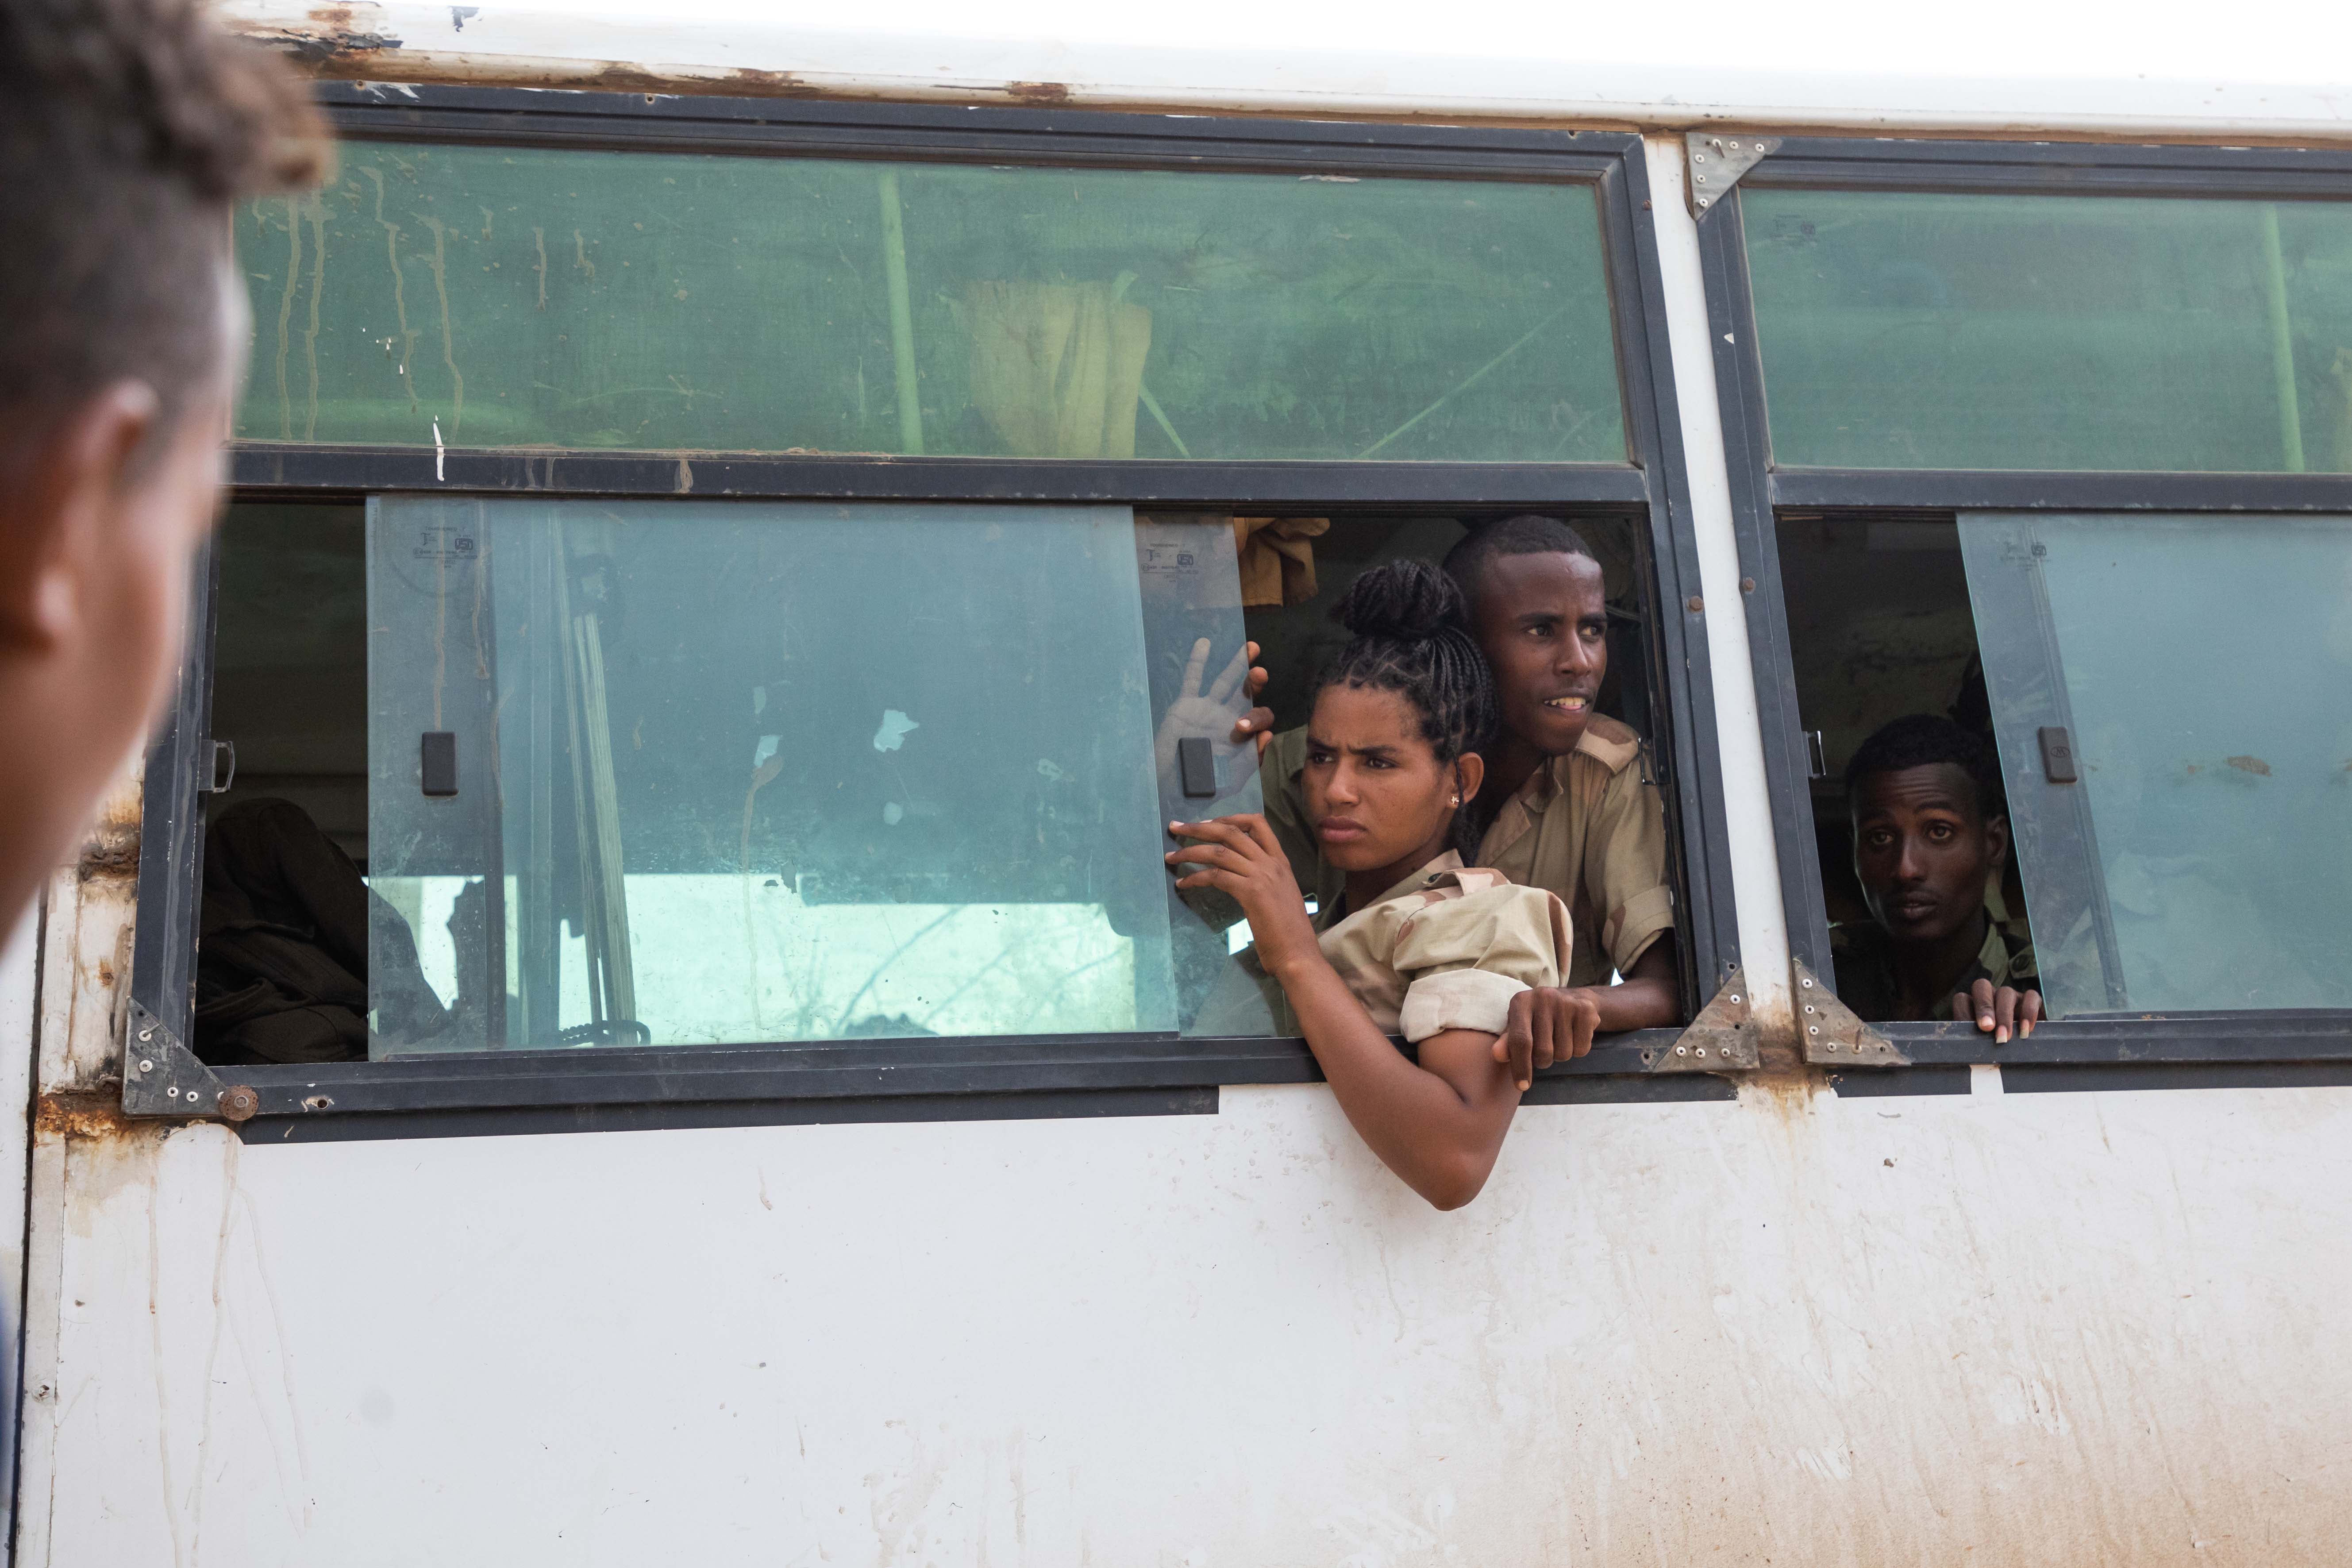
(1451,861)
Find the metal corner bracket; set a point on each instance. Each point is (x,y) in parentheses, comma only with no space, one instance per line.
(1833,1037)
(1722,1038)
(161,1077)
(1717,159)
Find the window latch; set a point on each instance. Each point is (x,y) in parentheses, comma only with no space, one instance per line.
(437,762)
(1196,763)
(218,761)
(1817,762)
(2058,755)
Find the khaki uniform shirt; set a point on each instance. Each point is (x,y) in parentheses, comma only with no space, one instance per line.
(1447,948)
(1584,826)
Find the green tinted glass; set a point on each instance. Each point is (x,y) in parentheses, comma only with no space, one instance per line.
(696,772)
(2201,669)
(497,296)
(1903,329)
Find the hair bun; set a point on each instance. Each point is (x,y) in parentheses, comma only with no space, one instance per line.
(1407,600)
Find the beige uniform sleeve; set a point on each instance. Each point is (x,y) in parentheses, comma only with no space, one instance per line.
(1625,868)
(1464,958)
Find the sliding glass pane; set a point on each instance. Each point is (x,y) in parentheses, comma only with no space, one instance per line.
(700,772)
(728,773)
(1914,330)
(2201,668)
(519,298)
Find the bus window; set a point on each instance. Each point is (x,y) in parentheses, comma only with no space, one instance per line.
(289,664)
(1885,658)
(716,772)
(2164,701)
(742,772)
(2174,701)
(1917,330)
(536,296)
(283,961)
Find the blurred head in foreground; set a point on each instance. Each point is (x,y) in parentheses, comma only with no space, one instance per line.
(128,128)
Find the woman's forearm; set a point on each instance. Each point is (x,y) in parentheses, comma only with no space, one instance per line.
(1421,1125)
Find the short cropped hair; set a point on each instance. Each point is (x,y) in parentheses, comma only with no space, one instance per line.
(128,129)
(1924,739)
(1529,533)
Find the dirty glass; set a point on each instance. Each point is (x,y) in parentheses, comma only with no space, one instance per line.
(2202,666)
(1194,636)
(738,771)
(1907,330)
(492,296)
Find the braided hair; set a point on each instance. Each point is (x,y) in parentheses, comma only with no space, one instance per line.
(1410,635)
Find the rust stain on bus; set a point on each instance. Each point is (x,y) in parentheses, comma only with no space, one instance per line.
(326,35)
(93,1115)
(112,847)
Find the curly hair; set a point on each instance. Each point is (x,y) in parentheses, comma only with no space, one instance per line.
(1924,739)
(128,128)
(1409,634)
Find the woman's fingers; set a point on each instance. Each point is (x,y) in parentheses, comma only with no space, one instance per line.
(1232,830)
(1261,834)
(1207,855)
(2029,1012)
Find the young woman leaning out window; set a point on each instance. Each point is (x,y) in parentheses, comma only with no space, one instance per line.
(1420,944)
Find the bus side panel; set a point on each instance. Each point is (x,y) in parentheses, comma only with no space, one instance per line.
(2081,1328)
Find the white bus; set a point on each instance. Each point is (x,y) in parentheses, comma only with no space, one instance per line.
(720,511)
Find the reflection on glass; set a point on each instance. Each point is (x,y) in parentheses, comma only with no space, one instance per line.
(509,297)
(1910,330)
(2203,667)
(757,772)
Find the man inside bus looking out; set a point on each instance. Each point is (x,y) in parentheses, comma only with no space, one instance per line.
(128,131)
(1573,813)
(1929,832)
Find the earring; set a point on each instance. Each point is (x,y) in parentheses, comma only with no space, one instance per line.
(1455,801)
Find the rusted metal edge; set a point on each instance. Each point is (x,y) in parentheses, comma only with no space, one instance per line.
(1833,1036)
(1722,1038)
(161,1077)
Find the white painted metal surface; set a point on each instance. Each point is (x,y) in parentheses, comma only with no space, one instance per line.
(2173,68)
(1739,734)
(2066,1329)
(19,971)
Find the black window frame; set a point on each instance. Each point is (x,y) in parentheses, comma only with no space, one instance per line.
(514,1091)
(1762,491)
